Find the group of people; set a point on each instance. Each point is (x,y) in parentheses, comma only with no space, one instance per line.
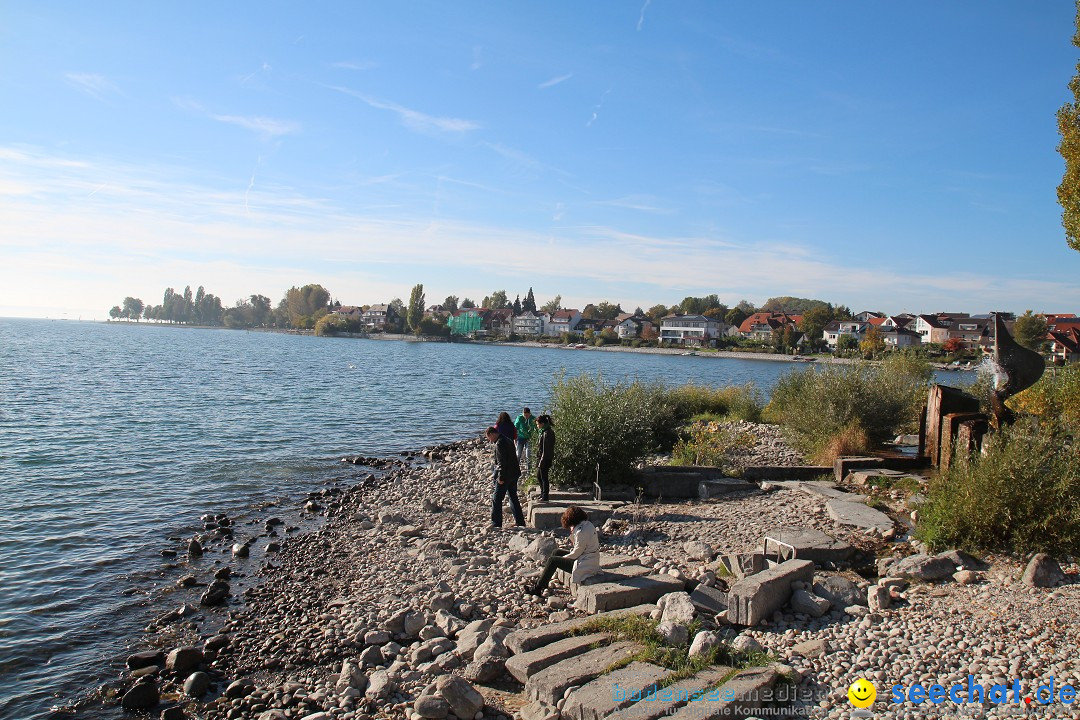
(513,445)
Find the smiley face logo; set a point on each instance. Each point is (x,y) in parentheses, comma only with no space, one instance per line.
(862,693)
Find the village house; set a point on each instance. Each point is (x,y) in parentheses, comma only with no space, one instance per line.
(762,325)
(529,324)
(349,311)
(934,328)
(839,328)
(499,322)
(630,326)
(897,338)
(376,317)
(562,321)
(689,330)
(1065,344)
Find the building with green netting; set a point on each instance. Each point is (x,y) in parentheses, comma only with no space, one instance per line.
(466,322)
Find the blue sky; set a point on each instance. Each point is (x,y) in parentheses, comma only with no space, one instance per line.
(891,156)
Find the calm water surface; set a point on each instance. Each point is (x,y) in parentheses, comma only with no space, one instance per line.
(115,437)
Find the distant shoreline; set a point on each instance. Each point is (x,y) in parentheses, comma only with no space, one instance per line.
(721,354)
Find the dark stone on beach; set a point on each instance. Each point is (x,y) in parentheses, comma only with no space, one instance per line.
(183,659)
(223,574)
(239,689)
(312,506)
(173,713)
(195,548)
(168,553)
(241,550)
(187,581)
(273,547)
(1042,571)
(215,594)
(217,642)
(143,696)
(143,659)
(197,684)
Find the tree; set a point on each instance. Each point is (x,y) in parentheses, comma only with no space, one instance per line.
(450,304)
(415,311)
(553,305)
(530,302)
(304,306)
(497,301)
(133,308)
(467,304)
(746,307)
(395,315)
(814,321)
(1068,119)
(873,344)
(517,305)
(608,311)
(115,312)
(1030,330)
(589,312)
(847,343)
(657,312)
(792,305)
(953,345)
(736,315)
(648,333)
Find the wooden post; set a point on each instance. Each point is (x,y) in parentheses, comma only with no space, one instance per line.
(950,427)
(941,401)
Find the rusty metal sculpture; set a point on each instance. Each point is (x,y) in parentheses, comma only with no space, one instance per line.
(1020,366)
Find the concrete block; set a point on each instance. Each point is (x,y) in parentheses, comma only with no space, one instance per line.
(548,516)
(740,565)
(814,545)
(665,701)
(625,592)
(613,691)
(526,664)
(551,683)
(725,486)
(855,514)
(758,596)
(709,600)
(521,641)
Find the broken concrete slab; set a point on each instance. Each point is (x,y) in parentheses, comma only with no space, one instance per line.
(709,600)
(855,514)
(736,698)
(551,683)
(613,691)
(524,640)
(814,545)
(612,594)
(740,565)
(664,701)
(754,598)
(524,665)
(548,516)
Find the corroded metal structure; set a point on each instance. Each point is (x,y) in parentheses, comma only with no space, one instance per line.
(1020,366)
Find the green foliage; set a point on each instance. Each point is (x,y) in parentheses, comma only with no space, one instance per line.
(1030,330)
(709,443)
(1022,495)
(819,403)
(617,425)
(1068,120)
(331,325)
(414,313)
(553,305)
(304,306)
(872,345)
(794,305)
(1055,400)
(529,302)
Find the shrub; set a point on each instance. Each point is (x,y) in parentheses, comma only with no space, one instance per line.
(819,404)
(709,443)
(1055,399)
(1022,495)
(617,425)
(614,425)
(851,440)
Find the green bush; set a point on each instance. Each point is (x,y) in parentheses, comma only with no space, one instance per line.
(619,424)
(881,399)
(709,443)
(1055,399)
(1022,495)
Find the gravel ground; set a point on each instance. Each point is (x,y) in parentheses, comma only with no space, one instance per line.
(405,581)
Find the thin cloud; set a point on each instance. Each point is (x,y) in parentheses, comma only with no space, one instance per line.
(596,108)
(413,119)
(267,127)
(96,86)
(641,19)
(265,68)
(355,65)
(555,81)
(643,203)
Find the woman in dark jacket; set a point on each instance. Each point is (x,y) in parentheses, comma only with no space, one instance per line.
(545,455)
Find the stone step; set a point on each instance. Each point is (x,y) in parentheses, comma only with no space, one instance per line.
(524,665)
(709,600)
(756,597)
(736,698)
(551,683)
(725,486)
(626,592)
(566,498)
(665,701)
(610,571)
(613,691)
(525,640)
(611,560)
(855,514)
(548,516)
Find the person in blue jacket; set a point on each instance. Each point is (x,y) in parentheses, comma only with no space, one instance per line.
(526,428)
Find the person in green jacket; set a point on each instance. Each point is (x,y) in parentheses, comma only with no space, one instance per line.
(526,427)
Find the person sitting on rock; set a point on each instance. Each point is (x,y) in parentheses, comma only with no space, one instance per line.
(582,561)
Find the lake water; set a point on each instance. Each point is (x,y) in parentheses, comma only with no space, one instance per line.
(115,437)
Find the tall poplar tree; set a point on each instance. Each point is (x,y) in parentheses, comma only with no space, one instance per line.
(415,310)
(1068,118)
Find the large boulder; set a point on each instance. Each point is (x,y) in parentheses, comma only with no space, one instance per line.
(676,608)
(924,567)
(840,591)
(541,548)
(183,659)
(703,642)
(809,604)
(142,696)
(463,698)
(698,550)
(1042,571)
